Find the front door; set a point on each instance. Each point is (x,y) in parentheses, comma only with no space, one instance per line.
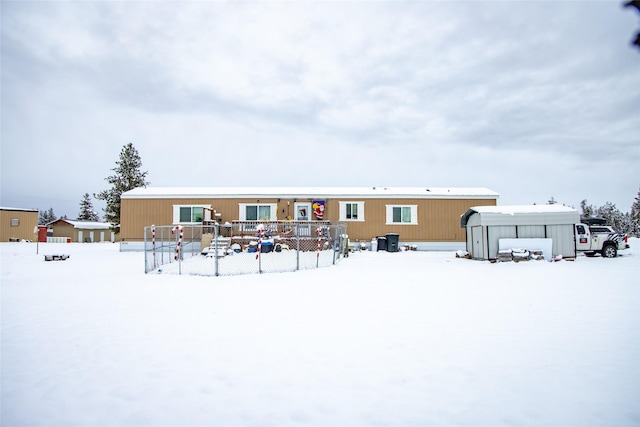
(303,213)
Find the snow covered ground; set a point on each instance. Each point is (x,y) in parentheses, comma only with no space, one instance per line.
(393,339)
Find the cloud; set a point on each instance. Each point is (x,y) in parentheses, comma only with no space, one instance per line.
(442,93)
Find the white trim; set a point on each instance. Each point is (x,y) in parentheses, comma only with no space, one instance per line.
(318,193)
(414,214)
(343,210)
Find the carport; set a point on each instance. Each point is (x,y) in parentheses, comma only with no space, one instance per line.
(487,225)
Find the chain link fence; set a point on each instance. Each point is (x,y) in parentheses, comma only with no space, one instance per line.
(243,247)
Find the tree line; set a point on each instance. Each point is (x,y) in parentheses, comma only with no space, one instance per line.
(627,222)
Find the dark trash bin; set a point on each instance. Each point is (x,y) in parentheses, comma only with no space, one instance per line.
(392,242)
(382,243)
(266,247)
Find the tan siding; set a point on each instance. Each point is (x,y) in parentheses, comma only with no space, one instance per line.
(28,221)
(137,214)
(62,229)
(438,219)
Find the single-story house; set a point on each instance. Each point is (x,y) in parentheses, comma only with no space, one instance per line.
(487,225)
(18,224)
(426,217)
(66,230)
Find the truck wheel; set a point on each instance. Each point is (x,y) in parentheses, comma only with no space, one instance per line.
(609,251)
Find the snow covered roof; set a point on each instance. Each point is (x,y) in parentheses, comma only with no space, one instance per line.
(4,208)
(92,225)
(522,215)
(310,192)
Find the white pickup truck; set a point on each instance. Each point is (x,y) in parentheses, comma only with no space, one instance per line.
(593,237)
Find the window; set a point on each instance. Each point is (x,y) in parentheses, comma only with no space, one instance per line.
(600,229)
(405,214)
(351,211)
(183,214)
(15,222)
(256,212)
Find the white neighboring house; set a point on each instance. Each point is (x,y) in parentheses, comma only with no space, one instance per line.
(67,230)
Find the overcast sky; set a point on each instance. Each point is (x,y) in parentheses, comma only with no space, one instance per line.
(533,99)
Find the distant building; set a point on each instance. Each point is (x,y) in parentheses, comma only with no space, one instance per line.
(80,231)
(18,224)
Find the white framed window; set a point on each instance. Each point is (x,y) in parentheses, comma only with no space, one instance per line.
(257,212)
(189,214)
(402,214)
(15,222)
(351,211)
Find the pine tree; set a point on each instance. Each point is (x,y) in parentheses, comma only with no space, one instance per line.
(613,216)
(87,213)
(635,216)
(45,217)
(127,177)
(587,210)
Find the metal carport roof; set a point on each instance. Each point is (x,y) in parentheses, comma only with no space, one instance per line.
(522,215)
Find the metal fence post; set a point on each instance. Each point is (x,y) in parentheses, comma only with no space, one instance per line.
(215,248)
(334,239)
(162,245)
(146,264)
(259,256)
(297,248)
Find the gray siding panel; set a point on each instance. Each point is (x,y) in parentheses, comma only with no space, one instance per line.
(563,240)
(531,231)
(495,233)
